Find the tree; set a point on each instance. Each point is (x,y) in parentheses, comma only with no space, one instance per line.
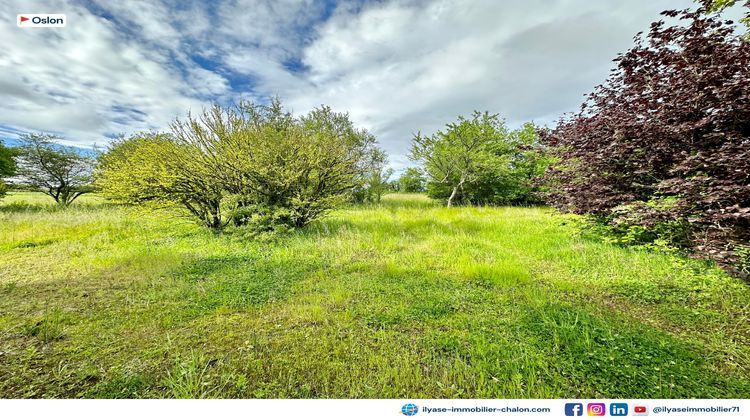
(295,169)
(411,181)
(57,171)
(510,174)
(362,149)
(7,166)
(666,140)
(479,161)
(246,165)
(376,176)
(453,157)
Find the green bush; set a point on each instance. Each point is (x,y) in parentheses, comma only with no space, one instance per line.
(411,181)
(643,224)
(248,165)
(7,166)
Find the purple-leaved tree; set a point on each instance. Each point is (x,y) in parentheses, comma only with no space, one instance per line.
(667,136)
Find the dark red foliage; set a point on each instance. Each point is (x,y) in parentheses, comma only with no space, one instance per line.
(673,120)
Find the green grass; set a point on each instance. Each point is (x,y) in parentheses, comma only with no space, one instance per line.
(405,299)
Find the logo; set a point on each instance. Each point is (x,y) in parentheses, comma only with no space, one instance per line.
(640,410)
(596,409)
(31,20)
(409,409)
(573,409)
(618,409)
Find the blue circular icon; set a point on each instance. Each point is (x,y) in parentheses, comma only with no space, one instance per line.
(409,409)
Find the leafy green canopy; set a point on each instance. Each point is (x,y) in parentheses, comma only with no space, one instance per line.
(374,178)
(7,166)
(480,161)
(55,170)
(251,164)
(411,181)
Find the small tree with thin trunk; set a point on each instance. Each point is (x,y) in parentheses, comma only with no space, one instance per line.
(454,157)
(53,169)
(377,175)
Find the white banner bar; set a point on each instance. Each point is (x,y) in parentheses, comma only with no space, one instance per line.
(368,409)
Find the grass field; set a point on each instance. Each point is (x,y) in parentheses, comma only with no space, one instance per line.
(407,299)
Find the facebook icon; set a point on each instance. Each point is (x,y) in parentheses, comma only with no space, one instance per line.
(573,409)
(618,409)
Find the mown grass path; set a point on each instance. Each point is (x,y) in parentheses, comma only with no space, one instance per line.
(407,299)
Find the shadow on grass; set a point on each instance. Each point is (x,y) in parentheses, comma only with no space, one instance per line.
(238,282)
(416,227)
(614,358)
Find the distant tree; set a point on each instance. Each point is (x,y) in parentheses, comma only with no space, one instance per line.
(394,185)
(377,176)
(53,169)
(7,166)
(411,181)
(511,173)
(479,161)
(454,157)
(666,140)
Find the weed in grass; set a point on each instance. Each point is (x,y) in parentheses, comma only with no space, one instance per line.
(48,328)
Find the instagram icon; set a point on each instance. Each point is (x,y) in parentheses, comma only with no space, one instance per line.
(596,409)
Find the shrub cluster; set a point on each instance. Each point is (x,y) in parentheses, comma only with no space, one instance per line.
(662,149)
(248,165)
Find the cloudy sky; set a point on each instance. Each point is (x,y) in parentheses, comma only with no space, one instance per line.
(396,66)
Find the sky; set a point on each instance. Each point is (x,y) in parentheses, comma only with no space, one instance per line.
(396,66)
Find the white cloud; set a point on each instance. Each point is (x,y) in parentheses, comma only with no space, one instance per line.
(87,79)
(400,67)
(396,66)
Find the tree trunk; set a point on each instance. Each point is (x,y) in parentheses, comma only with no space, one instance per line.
(455,190)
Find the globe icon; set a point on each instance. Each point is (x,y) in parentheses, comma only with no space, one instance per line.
(409,409)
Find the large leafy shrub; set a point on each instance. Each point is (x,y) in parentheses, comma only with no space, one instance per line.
(157,169)
(248,165)
(672,126)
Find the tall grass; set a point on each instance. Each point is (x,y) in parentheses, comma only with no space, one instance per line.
(404,299)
